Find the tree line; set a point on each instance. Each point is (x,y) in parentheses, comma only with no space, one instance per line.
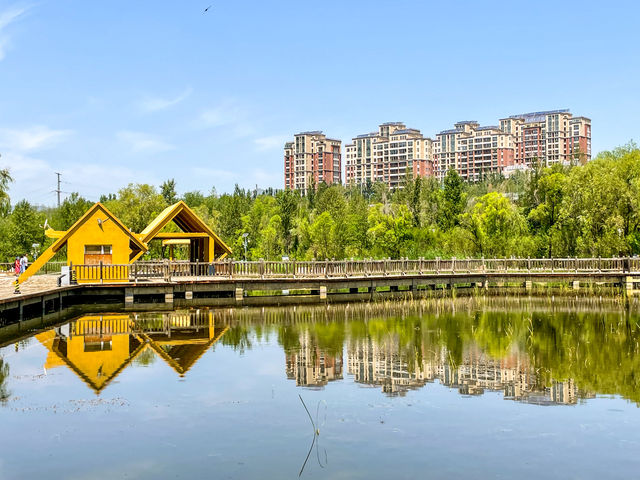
(586,210)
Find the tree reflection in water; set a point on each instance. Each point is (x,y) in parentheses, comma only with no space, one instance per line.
(533,350)
(4,376)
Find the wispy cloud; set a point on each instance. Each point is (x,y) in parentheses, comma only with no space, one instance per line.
(228,115)
(157,104)
(38,137)
(270,143)
(7,17)
(140,142)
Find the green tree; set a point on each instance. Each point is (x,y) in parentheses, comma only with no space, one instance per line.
(453,200)
(287,201)
(497,227)
(5,201)
(322,234)
(137,205)
(72,208)
(168,191)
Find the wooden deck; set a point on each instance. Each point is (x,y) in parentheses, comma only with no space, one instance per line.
(169,285)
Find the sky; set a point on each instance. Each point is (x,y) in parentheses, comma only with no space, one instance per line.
(118,92)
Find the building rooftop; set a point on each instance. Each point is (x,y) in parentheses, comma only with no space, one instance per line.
(312,132)
(368,135)
(406,130)
(467,122)
(489,127)
(538,116)
(391,124)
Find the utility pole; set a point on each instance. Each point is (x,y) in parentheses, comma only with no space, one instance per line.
(58,191)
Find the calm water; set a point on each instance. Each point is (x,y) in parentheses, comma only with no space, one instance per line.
(441,389)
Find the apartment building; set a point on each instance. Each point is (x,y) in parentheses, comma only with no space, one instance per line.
(387,155)
(473,151)
(311,159)
(549,137)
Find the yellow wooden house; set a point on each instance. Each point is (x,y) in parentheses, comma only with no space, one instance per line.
(99,238)
(99,347)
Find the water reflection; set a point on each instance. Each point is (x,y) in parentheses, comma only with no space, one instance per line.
(540,352)
(536,352)
(98,347)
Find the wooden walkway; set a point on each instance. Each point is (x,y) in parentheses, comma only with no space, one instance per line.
(169,285)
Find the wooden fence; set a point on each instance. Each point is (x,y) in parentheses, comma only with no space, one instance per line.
(349,268)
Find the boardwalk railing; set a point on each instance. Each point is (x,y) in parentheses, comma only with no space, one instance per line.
(49,267)
(166,270)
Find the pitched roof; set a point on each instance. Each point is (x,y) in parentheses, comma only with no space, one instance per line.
(60,242)
(184,218)
(181,352)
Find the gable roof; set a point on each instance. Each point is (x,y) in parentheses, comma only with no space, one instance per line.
(182,353)
(60,242)
(185,219)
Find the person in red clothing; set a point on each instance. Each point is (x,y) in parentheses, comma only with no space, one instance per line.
(16,266)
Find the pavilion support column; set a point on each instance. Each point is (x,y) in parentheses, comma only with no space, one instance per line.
(323,292)
(239,294)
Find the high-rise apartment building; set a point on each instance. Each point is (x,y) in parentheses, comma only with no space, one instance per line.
(311,159)
(554,136)
(387,155)
(473,151)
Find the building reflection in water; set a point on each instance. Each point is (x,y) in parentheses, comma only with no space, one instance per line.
(382,365)
(311,366)
(97,348)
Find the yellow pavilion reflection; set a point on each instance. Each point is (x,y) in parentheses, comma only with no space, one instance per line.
(98,347)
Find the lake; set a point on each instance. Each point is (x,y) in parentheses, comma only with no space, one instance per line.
(442,388)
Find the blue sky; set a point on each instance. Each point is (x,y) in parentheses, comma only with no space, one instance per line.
(109,93)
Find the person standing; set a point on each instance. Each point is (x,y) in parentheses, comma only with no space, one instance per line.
(17,266)
(24,261)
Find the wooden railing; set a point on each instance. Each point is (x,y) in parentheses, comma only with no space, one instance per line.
(349,268)
(50,267)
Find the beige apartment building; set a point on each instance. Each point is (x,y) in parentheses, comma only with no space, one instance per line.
(549,137)
(473,151)
(387,155)
(311,159)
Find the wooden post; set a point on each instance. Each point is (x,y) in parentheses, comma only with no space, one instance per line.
(230,264)
(453,265)
(437,265)
(529,264)
(293,268)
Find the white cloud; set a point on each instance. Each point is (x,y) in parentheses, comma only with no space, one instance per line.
(33,138)
(230,116)
(140,142)
(214,173)
(270,143)
(7,17)
(156,104)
